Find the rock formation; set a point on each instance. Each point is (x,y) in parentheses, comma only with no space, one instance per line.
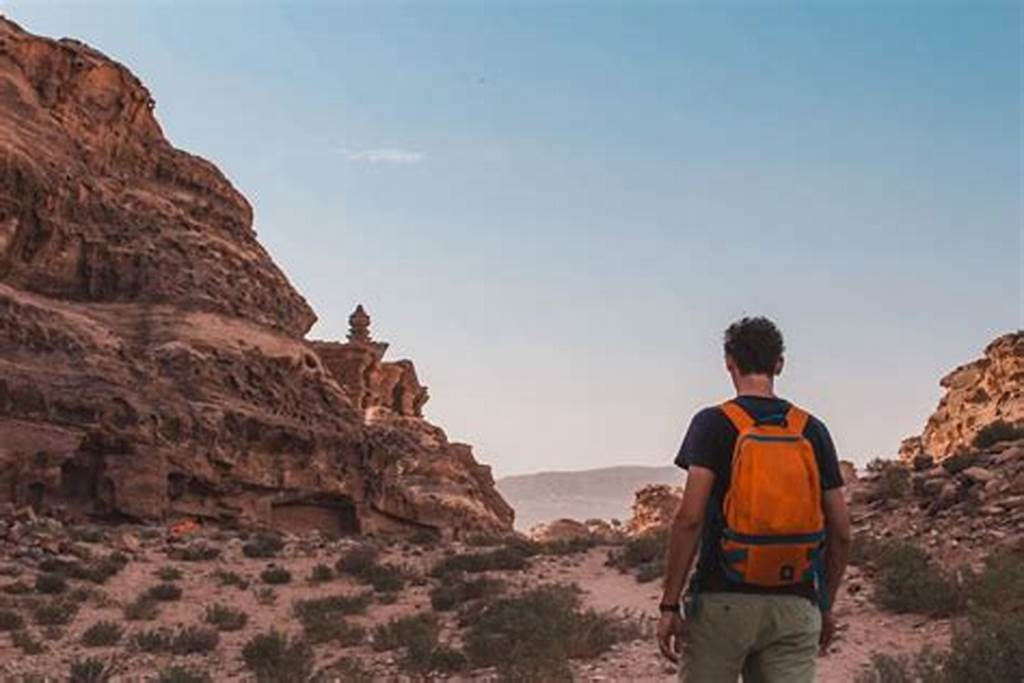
(152,356)
(978,395)
(653,509)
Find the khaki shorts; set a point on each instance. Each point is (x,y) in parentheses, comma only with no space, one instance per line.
(766,638)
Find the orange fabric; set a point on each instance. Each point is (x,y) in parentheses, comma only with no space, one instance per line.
(774,490)
(185,527)
(740,418)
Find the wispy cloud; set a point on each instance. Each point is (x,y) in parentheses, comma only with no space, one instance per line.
(385,155)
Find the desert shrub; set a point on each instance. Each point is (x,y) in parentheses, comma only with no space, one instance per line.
(91,670)
(349,669)
(533,636)
(567,546)
(273,658)
(102,633)
(997,431)
(152,640)
(54,612)
(52,632)
(321,627)
(909,580)
(643,554)
(503,558)
(24,641)
(893,480)
(225,618)
(332,604)
(958,462)
(925,667)
(483,540)
(197,552)
(387,578)
(228,578)
(194,639)
(276,575)
(10,620)
(266,596)
(51,584)
(459,591)
(402,631)
(263,544)
(443,659)
(143,608)
(164,592)
(360,561)
(168,573)
(87,534)
(864,549)
(17,588)
(321,573)
(183,674)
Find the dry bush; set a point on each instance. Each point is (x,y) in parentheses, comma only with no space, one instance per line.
(274,658)
(909,580)
(225,618)
(458,590)
(998,431)
(644,555)
(893,480)
(262,545)
(102,634)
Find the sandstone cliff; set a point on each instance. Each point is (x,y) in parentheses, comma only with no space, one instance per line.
(152,359)
(987,393)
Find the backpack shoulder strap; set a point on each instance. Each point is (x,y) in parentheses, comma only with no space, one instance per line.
(796,420)
(739,417)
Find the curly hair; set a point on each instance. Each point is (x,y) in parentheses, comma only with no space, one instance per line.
(755,345)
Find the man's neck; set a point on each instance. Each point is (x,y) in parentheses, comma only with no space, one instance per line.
(755,385)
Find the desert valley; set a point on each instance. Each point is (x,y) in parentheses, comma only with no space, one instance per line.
(191,489)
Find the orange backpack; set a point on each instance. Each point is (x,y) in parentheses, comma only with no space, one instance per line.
(774,525)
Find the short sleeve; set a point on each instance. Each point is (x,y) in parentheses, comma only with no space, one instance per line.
(825,452)
(703,443)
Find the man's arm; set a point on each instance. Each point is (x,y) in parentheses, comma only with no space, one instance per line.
(682,548)
(837,552)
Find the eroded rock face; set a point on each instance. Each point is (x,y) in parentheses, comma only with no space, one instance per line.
(152,360)
(978,394)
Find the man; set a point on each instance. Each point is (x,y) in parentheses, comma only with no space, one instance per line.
(763,495)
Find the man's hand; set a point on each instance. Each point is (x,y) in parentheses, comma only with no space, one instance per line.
(671,630)
(828,631)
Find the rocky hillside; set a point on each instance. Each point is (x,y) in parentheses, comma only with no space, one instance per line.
(152,356)
(984,401)
(604,493)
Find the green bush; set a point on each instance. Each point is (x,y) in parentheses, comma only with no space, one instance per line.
(333,604)
(54,612)
(997,431)
(51,584)
(197,552)
(321,574)
(194,639)
(893,480)
(263,544)
(168,573)
(273,658)
(909,580)
(143,608)
(10,620)
(24,641)
(276,575)
(164,592)
(235,579)
(360,561)
(387,578)
(500,559)
(91,670)
(153,640)
(533,636)
(459,591)
(643,554)
(102,634)
(183,674)
(401,631)
(225,618)
(958,462)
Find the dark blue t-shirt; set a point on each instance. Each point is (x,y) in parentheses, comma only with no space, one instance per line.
(709,442)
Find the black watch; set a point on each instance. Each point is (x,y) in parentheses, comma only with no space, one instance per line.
(669,607)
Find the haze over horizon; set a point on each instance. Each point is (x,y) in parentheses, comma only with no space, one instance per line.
(554,211)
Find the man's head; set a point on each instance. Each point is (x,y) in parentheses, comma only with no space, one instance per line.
(753,346)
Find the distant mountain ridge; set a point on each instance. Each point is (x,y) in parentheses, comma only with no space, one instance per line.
(604,493)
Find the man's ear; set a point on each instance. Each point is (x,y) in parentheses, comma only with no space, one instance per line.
(730,364)
(779,364)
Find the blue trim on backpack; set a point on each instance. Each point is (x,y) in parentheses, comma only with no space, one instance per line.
(772,437)
(786,539)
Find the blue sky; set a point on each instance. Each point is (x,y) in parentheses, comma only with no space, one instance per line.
(555,208)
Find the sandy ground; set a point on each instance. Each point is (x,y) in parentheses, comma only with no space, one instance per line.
(864,629)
